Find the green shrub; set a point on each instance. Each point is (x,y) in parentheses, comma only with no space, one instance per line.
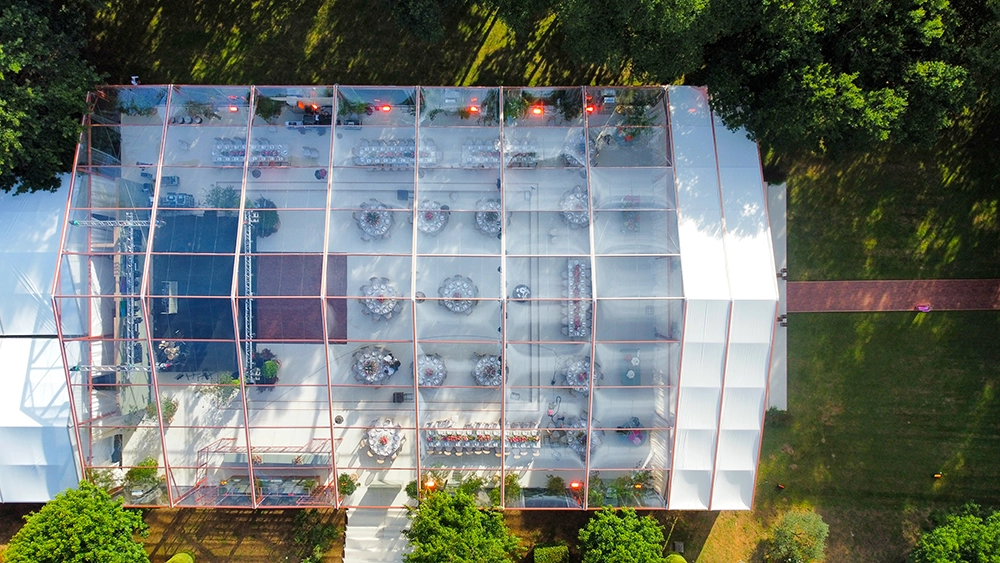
(494,496)
(412,490)
(552,554)
(512,488)
(181,558)
(471,486)
(144,473)
(675,558)
(268,221)
(347,484)
(269,372)
(555,486)
(799,537)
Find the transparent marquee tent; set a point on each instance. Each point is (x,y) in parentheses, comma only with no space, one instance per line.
(267,292)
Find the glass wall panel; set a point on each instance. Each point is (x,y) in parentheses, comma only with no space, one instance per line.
(636,319)
(370,225)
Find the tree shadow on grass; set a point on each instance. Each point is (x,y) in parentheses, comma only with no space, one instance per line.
(230,535)
(900,213)
(315,42)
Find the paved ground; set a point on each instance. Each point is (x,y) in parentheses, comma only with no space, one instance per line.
(893,295)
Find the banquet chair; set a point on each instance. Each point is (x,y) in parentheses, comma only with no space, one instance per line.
(369,452)
(380,460)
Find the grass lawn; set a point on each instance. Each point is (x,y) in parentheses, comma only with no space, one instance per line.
(899,214)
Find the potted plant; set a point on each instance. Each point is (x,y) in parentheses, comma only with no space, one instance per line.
(268,109)
(512,489)
(143,477)
(347,484)
(168,408)
(268,221)
(200,109)
(555,486)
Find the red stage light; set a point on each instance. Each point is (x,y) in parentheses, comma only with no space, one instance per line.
(538,110)
(233,109)
(590,109)
(315,107)
(473,109)
(430,484)
(638,485)
(575,485)
(386,108)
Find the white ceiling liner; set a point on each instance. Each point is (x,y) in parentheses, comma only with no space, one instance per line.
(731,302)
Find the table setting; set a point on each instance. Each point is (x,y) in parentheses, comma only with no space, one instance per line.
(488,371)
(384,438)
(381,300)
(576,321)
(578,373)
(394,154)
(432,217)
(488,217)
(575,208)
(479,438)
(373,364)
(430,370)
(481,153)
(459,294)
(374,218)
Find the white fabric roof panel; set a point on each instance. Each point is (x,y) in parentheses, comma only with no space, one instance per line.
(731,296)
(37,463)
(733,490)
(30,229)
(690,490)
(742,408)
(738,450)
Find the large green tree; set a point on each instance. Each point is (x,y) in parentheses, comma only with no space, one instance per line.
(621,536)
(800,537)
(43,89)
(452,528)
(83,525)
(815,75)
(964,537)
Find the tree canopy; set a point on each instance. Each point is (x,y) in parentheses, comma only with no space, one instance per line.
(43,91)
(816,75)
(452,528)
(965,536)
(800,537)
(80,525)
(621,536)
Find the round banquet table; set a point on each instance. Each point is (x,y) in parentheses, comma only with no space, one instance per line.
(574,208)
(374,219)
(432,217)
(488,217)
(578,374)
(431,370)
(459,293)
(488,371)
(373,364)
(384,439)
(381,299)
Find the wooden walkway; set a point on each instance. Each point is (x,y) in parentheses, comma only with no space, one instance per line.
(892,295)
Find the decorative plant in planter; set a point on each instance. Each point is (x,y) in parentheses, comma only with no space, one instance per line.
(347,484)
(515,106)
(143,475)
(222,197)
(569,103)
(132,107)
(512,489)
(268,364)
(168,408)
(555,485)
(200,109)
(223,393)
(268,221)
(597,491)
(268,109)
(351,107)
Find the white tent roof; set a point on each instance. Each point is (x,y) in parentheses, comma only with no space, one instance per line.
(36,453)
(731,306)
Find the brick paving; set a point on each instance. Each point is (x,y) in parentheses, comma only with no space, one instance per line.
(893,295)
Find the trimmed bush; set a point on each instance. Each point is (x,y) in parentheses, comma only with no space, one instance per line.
(181,558)
(551,554)
(676,558)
